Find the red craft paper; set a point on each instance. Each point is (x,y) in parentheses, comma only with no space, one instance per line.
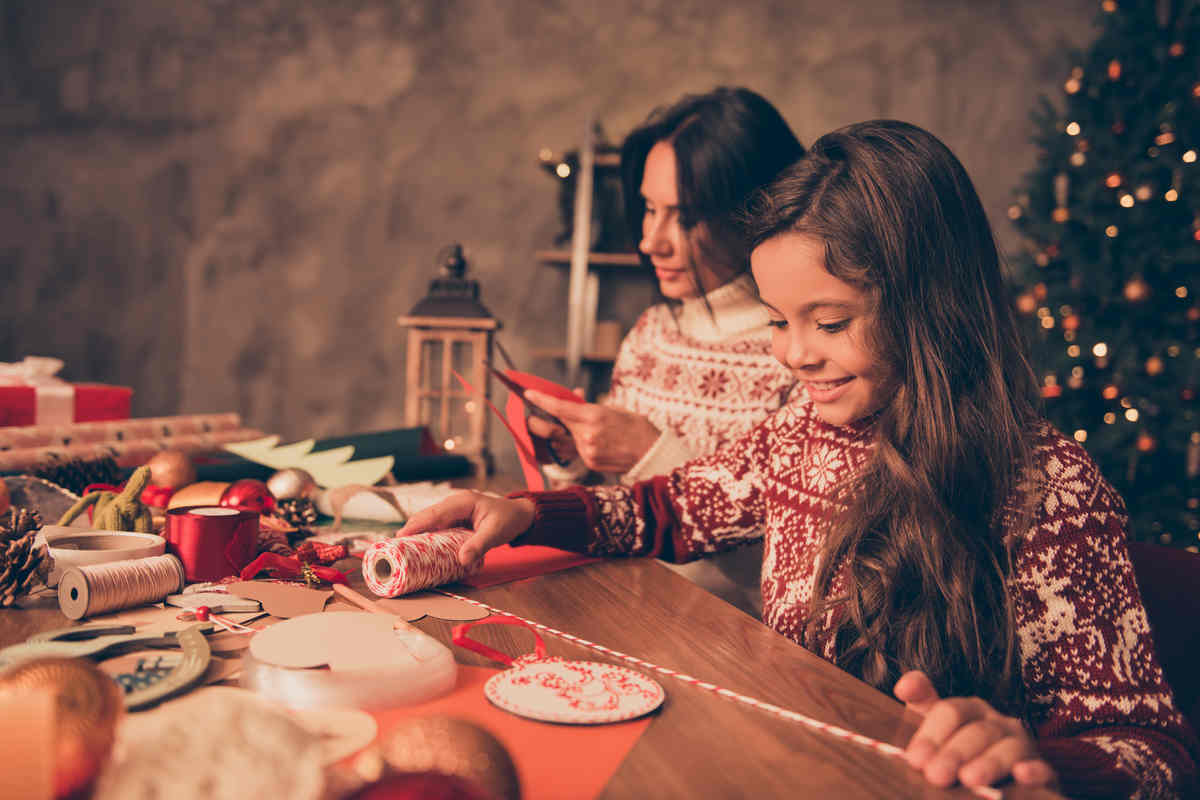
(506,563)
(553,761)
(515,409)
(94,402)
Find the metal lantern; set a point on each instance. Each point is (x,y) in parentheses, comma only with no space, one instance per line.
(450,331)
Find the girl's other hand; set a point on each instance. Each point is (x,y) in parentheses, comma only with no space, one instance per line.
(495,520)
(557,436)
(964,739)
(607,439)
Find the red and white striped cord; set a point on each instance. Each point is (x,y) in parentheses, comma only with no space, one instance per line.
(794,716)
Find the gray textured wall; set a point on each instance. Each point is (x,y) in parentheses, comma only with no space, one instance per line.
(226,203)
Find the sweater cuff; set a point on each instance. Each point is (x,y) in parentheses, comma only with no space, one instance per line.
(668,452)
(560,519)
(1084,769)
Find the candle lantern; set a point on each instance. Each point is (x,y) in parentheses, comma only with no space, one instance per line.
(450,331)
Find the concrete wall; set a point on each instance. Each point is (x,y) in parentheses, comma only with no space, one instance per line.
(226,203)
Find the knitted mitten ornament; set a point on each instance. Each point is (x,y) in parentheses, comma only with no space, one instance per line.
(117,512)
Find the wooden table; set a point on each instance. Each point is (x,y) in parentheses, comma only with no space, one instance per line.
(700,745)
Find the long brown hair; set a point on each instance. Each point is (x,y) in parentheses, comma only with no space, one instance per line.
(922,531)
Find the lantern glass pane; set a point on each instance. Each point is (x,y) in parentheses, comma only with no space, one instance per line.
(431,415)
(431,364)
(459,424)
(461,358)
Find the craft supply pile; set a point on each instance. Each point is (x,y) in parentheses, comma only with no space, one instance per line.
(218,638)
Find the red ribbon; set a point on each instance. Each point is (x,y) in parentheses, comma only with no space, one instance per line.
(458,635)
(212,547)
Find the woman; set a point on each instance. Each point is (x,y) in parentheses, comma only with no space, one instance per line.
(696,371)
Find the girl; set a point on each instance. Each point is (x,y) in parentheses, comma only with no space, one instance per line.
(925,529)
(696,371)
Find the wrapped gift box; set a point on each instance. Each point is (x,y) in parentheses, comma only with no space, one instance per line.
(30,394)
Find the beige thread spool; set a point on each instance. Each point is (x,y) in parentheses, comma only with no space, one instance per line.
(96,589)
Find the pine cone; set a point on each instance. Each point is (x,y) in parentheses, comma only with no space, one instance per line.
(298,511)
(21,564)
(76,475)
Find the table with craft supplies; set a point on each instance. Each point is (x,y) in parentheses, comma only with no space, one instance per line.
(701,742)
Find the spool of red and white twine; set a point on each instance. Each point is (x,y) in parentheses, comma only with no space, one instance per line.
(411,563)
(793,716)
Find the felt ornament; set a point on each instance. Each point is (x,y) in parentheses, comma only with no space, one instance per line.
(123,511)
(282,600)
(327,467)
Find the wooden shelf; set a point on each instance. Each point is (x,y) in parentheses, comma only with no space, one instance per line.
(559,355)
(594,259)
(610,160)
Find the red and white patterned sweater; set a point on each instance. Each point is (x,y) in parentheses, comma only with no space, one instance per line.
(702,373)
(1104,716)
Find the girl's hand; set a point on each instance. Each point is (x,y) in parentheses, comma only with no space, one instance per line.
(964,739)
(606,438)
(495,520)
(558,437)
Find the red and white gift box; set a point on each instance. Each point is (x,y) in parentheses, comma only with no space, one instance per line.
(31,393)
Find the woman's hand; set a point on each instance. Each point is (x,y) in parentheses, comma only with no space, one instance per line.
(495,520)
(964,739)
(606,438)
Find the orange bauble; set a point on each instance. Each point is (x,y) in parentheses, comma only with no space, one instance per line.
(1137,290)
(1146,442)
(1026,303)
(1154,365)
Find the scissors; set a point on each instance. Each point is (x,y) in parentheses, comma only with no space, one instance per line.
(543,448)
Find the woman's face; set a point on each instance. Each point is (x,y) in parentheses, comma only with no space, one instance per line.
(677,261)
(819,327)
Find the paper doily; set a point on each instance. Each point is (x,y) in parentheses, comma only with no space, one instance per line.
(553,689)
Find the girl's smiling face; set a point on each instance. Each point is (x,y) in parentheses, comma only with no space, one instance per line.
(819,327)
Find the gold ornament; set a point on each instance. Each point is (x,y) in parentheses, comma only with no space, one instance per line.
(1154,365)
(1136,290)
(171,468)
(452,747)
(87,704)
(291,483)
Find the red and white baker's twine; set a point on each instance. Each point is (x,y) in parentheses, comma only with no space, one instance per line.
(412,563)
(770,708)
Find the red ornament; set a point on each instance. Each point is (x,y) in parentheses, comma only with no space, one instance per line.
(248,494)
(1051,391)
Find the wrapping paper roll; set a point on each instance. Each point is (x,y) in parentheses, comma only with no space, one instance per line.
(127,452)
(213,542)
(410,563)
(26,436)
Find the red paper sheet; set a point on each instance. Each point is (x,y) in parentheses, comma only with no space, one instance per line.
(506,563)
(553,761)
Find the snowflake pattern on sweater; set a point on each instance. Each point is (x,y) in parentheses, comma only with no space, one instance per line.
(1103,713)
(703,379)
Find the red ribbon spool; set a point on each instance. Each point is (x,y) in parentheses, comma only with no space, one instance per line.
(213,542)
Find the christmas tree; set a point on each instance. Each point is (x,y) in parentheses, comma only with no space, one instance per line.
(1109,279)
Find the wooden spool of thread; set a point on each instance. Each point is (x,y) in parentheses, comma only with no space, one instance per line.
(99,588)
